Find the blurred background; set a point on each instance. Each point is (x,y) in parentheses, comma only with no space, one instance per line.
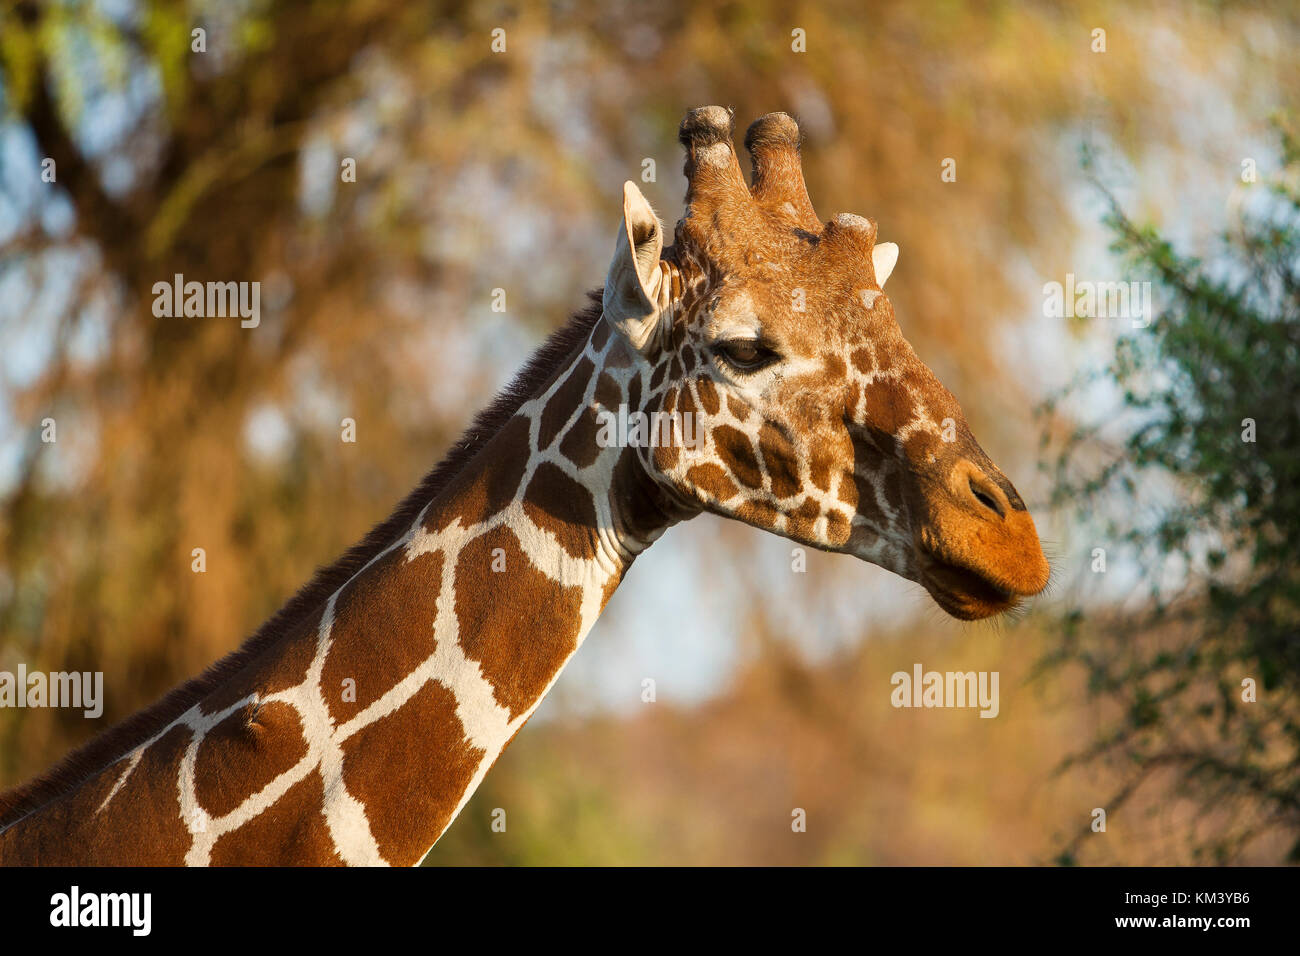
(1162,149)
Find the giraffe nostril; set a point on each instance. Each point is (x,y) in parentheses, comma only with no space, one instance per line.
(986,498)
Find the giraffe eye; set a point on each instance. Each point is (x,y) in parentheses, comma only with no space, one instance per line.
(745,355)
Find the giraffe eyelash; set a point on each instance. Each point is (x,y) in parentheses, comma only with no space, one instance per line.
(763,355)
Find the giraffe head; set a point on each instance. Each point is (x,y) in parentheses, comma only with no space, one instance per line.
(763,336)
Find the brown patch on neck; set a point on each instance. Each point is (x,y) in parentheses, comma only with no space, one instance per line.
(244,753)
(608,395)
(564,509)
(479,493)
(410,769)
(291,831)
(579,442)
(520,633)
(383,629)
(564,402)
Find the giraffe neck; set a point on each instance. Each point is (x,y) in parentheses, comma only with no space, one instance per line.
(360,735)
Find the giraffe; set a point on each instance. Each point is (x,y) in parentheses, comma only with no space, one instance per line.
(355,724)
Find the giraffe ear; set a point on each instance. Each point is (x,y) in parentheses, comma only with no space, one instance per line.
(635,282)
(884,256)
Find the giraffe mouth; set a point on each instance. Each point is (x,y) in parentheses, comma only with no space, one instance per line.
(964,593)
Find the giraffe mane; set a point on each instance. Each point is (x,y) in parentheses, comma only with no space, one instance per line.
(117,741)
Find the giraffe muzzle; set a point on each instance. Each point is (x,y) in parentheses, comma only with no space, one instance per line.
(977,549)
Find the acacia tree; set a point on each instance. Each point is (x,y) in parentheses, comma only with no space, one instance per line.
(1206,674)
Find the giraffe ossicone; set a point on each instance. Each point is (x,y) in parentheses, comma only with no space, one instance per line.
(356,723)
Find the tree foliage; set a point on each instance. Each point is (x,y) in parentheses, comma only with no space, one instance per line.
(1211,394)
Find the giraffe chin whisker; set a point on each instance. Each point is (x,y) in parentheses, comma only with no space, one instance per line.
(963,593)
